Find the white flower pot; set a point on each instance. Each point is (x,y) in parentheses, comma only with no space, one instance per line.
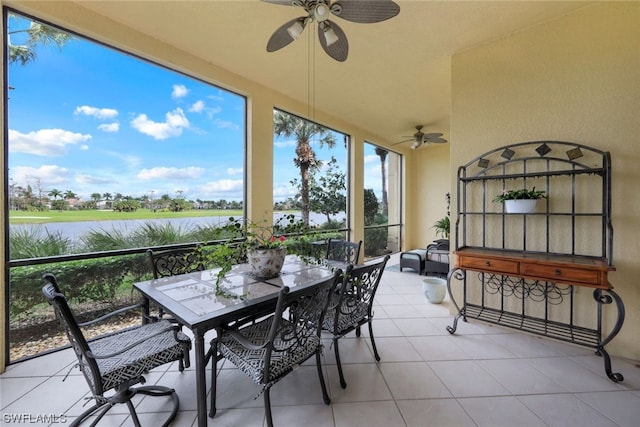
(520,205)
(434,289)
(266,263)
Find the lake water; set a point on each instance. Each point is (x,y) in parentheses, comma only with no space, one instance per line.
(75,230)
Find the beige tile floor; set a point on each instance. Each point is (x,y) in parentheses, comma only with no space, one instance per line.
(482,376)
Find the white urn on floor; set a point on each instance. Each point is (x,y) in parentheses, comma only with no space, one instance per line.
(434,289)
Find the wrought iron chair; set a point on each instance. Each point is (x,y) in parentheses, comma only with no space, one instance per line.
(352,306)
(118,360)
(343,251)
(170,262)
(175,261)
(269,348)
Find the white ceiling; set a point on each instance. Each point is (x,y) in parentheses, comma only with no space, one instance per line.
(398,72)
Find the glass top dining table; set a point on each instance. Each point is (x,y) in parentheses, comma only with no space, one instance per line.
(196,303)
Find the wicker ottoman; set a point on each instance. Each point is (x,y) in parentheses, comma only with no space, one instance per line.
(413,259)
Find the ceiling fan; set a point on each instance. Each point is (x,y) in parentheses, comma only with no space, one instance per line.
(420,138)
(332,39)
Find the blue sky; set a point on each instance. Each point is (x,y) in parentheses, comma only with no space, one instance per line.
(90,119)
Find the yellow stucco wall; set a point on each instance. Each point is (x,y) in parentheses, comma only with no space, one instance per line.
(432,183)
(571,79)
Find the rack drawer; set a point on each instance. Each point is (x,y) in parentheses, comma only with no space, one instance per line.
(488,264)
(561,274)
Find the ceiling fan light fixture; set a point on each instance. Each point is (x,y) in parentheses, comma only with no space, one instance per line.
(321,12)
(296,29)
(330,36)
(415,145)
(332,39)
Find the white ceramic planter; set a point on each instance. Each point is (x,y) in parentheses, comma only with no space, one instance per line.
(434,289)
(266,263)
(520,205)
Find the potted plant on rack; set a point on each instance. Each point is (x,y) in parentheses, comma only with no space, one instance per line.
(520,201)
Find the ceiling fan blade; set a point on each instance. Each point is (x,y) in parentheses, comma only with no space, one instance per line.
(365,12)
(434,137)
(402,142)
(281,37)
(281,2)
(339,50)
(436,140)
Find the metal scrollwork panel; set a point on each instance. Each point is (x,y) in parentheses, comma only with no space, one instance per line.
(536,290)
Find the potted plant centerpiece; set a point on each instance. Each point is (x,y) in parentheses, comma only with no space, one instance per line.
(265,249)
(520,201)
(263,244)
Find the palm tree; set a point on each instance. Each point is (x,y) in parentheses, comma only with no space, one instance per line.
(55,193)
(304,131)
(107,197)
(70,195)
(382,153)
(37,33)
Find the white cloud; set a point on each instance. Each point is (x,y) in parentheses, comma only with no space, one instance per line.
(197,107)
(371,158)
(111,127)
(212,111)
(171,173)
(179,91)
(175,122)
(44,142)
(90,179)
(285,144)
(234,171)
(218,98)
(98,113)
(223,186)
(282,192)
(375,170)
(131,161)
(47,175)
(225,124)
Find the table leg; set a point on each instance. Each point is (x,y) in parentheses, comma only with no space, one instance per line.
(201,381)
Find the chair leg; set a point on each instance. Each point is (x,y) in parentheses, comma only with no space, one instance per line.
(325,395)
(158,390)
(267,407)
(104,407)
(343,383)
(134,415)
(373,342)
(358,332)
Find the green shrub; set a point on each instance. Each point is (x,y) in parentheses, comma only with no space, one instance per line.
(94,280)
(32,242)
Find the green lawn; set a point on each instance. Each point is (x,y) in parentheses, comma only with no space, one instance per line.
(21,217)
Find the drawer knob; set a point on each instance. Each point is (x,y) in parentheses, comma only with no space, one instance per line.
(488,263)
(558,272)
